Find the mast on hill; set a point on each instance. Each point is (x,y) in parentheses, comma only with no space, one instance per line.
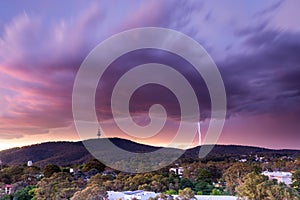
(99,133)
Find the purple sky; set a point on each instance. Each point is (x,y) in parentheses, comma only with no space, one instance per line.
(255,44)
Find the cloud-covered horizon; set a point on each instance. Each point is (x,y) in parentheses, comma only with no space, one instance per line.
(255,45)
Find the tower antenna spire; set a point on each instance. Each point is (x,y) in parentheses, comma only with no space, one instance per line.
(99,133)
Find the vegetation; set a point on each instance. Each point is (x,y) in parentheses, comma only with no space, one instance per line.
(186,194)
(296,180)
(49,170)
(59,186)
(26,193)
(259,187)
(92,192)
(234,174)
(93,164)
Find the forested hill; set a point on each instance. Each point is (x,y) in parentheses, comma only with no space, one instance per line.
(239,151)
(67,153)
(63,153)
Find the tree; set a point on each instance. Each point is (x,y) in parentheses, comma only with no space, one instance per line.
(214,170)
(5,178)
(204,175)
(296,180)
(50,169)
(259,187)
(204,181)
(32,170)
(93,192)
(5,197)
(186,183)
(173,182)
(250,187)
(170,192)
(216,192)
(234,175)
(283,192)
(94,164)
(12,173)
(24,193)
(59,186)
(100,179)
(203,187)
(186,194)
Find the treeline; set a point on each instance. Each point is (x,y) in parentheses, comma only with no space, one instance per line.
(93,179)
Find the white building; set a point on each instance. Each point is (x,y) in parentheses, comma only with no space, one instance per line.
(29,163)
(145,195)
(128,195)
(211,197)
(177,170)
(284,177)
(115,195)
(8,189)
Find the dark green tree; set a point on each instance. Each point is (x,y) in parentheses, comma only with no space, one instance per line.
(186,183)
(14,173)
(6,197)
(203,187)
(170,192)
(204,181)
(94,164)
(204,175)
(5,178)
(49,170)
(24,193)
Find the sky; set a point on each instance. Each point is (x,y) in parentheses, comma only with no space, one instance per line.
(255,45)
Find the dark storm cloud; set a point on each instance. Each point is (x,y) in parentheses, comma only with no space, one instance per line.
(266,77)
(39,61)
(263,79)
(150,94)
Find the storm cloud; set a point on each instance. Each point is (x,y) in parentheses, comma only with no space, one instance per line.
(256,48)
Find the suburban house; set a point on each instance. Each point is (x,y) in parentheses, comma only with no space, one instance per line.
(145,195)
(284,177)
(211,197)
(128,195)
(8,189)
(177,170)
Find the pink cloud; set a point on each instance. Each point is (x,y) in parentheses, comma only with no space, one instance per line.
(38,64)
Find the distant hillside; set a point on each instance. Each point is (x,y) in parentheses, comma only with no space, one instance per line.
(238,150)
(51,152)
(64,153)
(68,153)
